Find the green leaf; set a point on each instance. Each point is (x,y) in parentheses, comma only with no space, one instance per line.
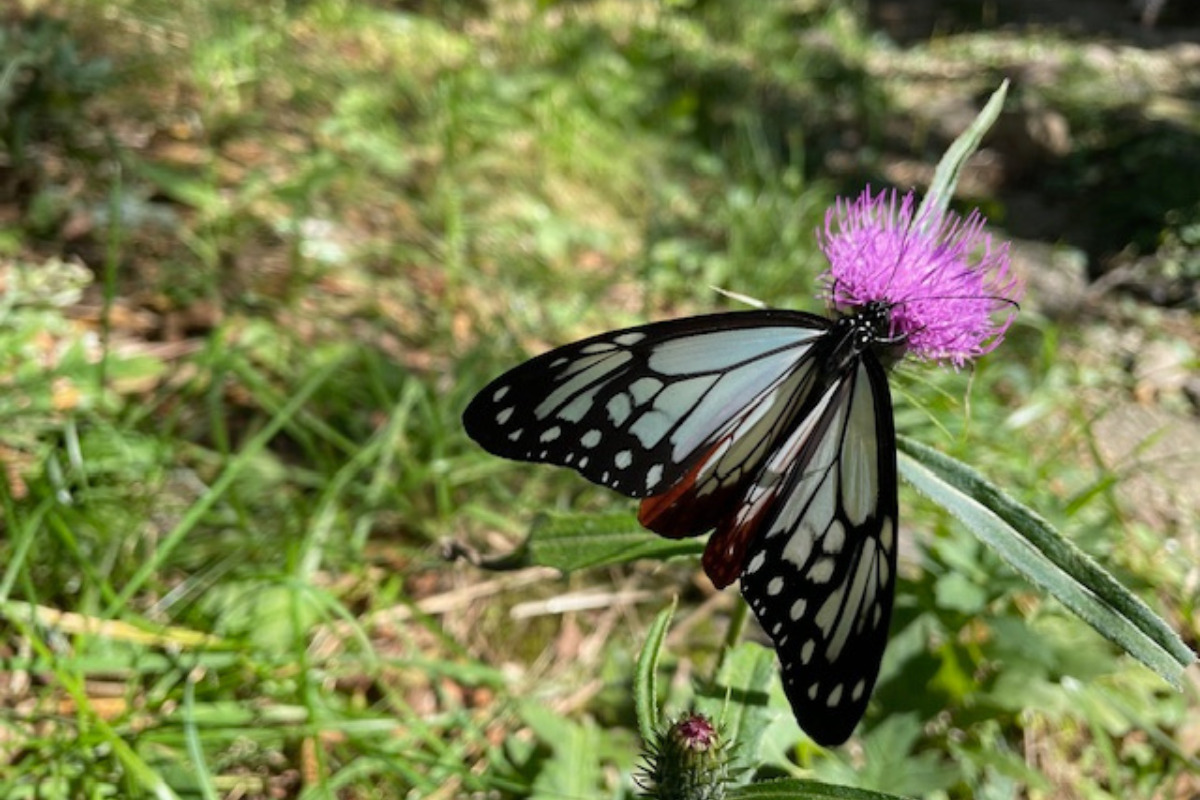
(957,592)
(646,681)
(945,177)
(574,768)
(796,789)
(1044,556)
(574,541)
(739,701)
(233,470)
(892,758)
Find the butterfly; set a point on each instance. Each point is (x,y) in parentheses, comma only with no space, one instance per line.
(771,428)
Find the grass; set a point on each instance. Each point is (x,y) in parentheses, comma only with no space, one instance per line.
(311,231)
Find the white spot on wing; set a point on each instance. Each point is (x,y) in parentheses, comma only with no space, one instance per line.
(578,407)
(623,459)
(618,408)
(886,532)
(550,434)
(821,571)
(654,475)
(498,395)
(834,538)
(859,688)
(629,338)
(806,652)
(828,613)
(775,586)
(503,416)
(835,697)
(756,563)
(650,427)
(798,609)
(590,439)
(799,546)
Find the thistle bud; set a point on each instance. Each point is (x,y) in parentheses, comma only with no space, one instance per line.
(687,761)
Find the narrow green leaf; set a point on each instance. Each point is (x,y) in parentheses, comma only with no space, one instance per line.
(945,177)
(574,541)
(1039,552)
(796,789)
(645,687)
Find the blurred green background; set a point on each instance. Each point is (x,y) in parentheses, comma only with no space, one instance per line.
(257,255)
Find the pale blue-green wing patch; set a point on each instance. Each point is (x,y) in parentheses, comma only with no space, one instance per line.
(636,409)
(713,491)
(820,571)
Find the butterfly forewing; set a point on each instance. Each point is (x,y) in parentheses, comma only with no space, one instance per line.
(820,571)
(637,409)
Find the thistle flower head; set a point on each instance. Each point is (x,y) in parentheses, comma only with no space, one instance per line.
(945,280)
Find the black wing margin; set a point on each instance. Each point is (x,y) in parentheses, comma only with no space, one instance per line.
(820,574)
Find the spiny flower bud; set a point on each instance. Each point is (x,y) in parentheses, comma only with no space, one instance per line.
(687,761)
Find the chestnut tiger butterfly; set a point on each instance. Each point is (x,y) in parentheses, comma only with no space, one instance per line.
(771,428)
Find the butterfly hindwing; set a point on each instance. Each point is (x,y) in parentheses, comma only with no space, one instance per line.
(636,409)
(820,571)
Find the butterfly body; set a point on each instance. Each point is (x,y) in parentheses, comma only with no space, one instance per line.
(771,428)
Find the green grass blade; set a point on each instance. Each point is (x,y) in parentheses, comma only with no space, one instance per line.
(195,747)
(245,457)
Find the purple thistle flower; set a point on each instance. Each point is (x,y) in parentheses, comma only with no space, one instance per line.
(942,276)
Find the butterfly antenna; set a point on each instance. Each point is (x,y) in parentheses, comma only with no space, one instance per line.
(753,302)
